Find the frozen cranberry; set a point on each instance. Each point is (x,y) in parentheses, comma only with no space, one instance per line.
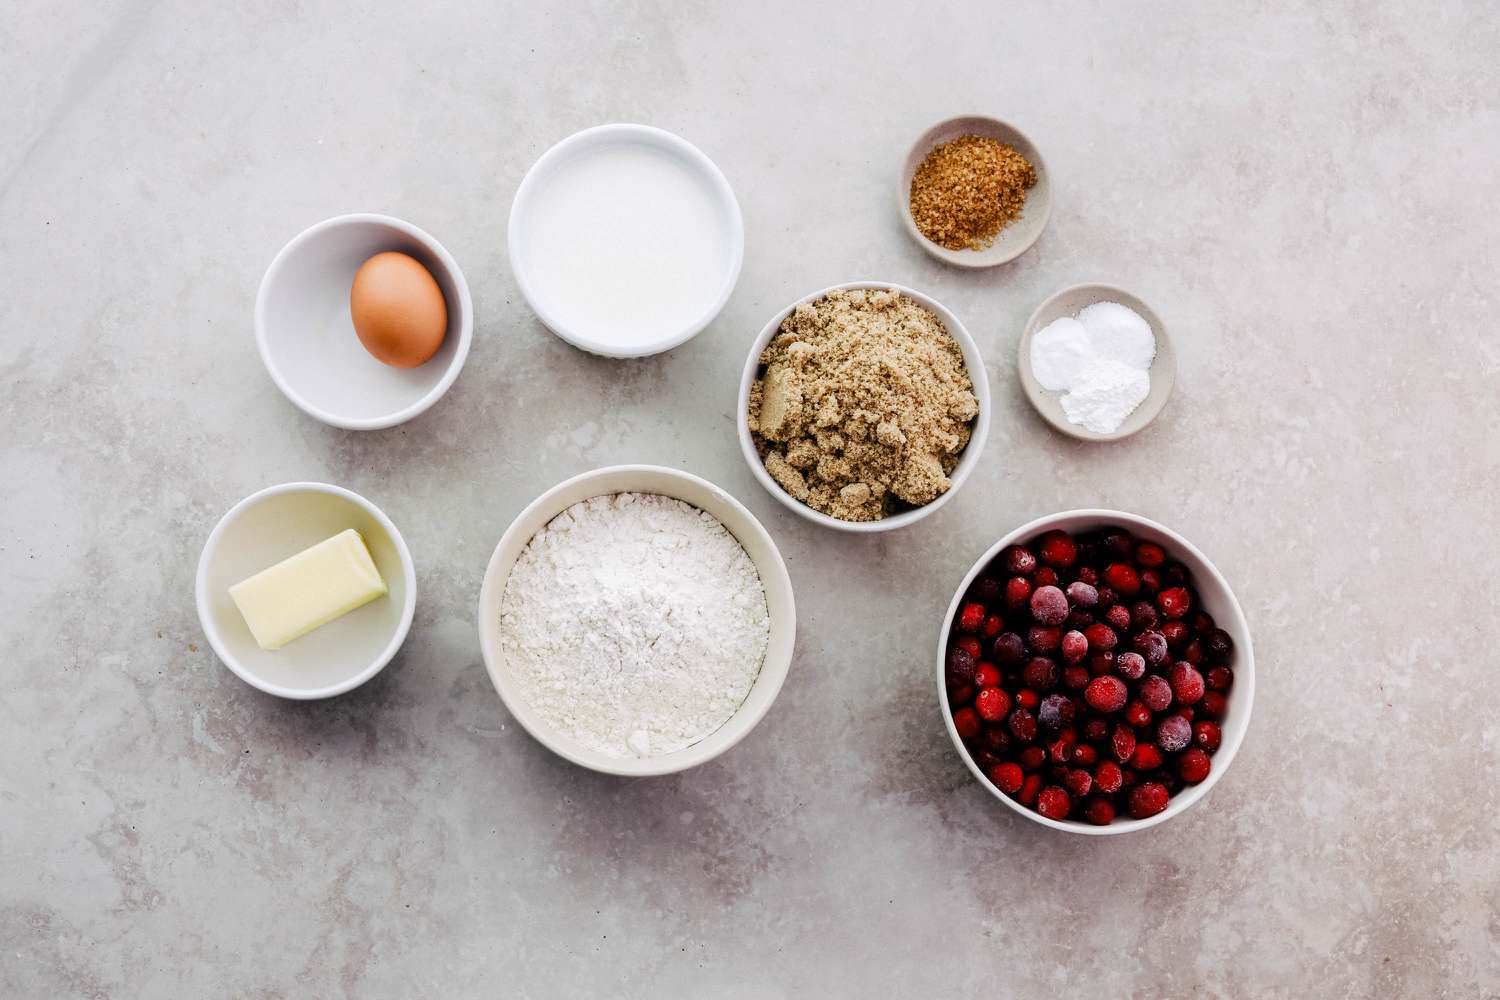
(1074,647)
(1017,592)
(1122,578)
(1218,644)
(1054,712)
(1152,646)
(1173,602)
(1045,576)
(966,721)
(1022,725)
(960,694)
(1060,750)
(1131,666)
(1108,777)
(1075,678)
(1176,633)
(1146,757)
(1107,597)
(1117,616)
(1174,573)
(1079,783)
(986,590)
(1122,743)
(1117,542)
(1150,581)
(1044,638)
(1057,548)
(1007,777)
(1149,554)
(1101,663)
(971,617)
(986,675)
(1099,812)
(1148,799)
(1054,803)
(1009,649)
(1207,736)
(1101,637)
(1193,766)
(1173,733)
(1218,678)
(1085,755)
(1136,714)
(1040,673)
(1187,683)
(1031,758)
(1088,575)
(1095,729)
(996,739)
(1155,693)
(1028,699)
(960,667)
(993,626)
(992,704)
(1030,787)
(1082,595)
(1193,652)
(1017,560)
(1106,694)
(1078,619)
(1049,606)
(1143,615)
(985,759)
(1213,704)
(1202,622)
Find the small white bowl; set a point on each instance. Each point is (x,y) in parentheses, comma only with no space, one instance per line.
(280,521)
(1217,599)
(701,494)
(548,251)
(966,463)
(306,336)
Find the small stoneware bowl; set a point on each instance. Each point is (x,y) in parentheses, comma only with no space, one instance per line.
(966,462)
(280,521)
(1216,598)
(306,336)
(645,285)
(1069,302)
(665,482)
(1016,238)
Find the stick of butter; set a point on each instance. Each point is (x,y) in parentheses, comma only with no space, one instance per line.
(308,590)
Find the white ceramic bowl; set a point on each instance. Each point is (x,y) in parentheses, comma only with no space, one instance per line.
(280,521)
(701,494)
(641,271)
(966,463)
(1216,598)
(306,336)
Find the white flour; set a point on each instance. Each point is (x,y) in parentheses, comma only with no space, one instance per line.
(1101,360)
(635,623)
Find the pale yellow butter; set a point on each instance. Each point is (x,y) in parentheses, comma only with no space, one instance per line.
(308,590)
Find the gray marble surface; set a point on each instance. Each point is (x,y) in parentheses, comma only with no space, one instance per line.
(1306,192)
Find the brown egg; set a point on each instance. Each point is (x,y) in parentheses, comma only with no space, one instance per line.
(398,310)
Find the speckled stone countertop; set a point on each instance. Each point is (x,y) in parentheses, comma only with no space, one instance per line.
(1306,192)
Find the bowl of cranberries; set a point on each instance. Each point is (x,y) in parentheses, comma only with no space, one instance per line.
(1095,672)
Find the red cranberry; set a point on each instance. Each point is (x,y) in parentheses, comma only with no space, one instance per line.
(1022,725)
(1131,666)
(1009,649)
(1173,602)
(1079,783)
(1151,645)
(1106,694)
(971,644)
(1054,803)
(1095,729)
(1108,777)
(1075,678)
(1143,615)
(1031,758)
(1049,606)
(1173,733)
(1193,652)
(1176,633)
(1174,573)
(993,626)
(1122,743)
(1099,812)
(1101,637)
(1118,617)
(960,667)
(1148,799)
(1150,581)
(1085,755)
(1149,554)
(971,618)
(1117,542)
(1193,766)
(1030,788)
(1045,576)
(1213,704)
(1074,647)
(1108,597)
(1187,683)
(1078,619)
(1017,592)
(1040,673)
(986,590)
(1057,548)
(1218,678)
(1044,638)
(1060,750)
(1028,699)
(1088,575)
(1101,663)
(985,759)
(1146,757)
(992,704)
(1155,693)
(996,739)
(1007,777)
(1054,712)
(1218,644)
(1082,595)
(986,675)
(960,694)
(1017,560)
(966,721)
(1123,578)
(1202,622)
(1207,736)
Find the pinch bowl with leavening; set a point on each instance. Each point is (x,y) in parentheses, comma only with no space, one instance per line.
(1216,598)
(735,518)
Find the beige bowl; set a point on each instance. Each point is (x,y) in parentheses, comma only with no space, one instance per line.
(1069,302)
(689,489)
(1016,238)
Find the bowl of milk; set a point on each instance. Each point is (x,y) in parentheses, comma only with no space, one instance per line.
(626,240)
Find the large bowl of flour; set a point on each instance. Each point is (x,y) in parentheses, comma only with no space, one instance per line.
(637,620)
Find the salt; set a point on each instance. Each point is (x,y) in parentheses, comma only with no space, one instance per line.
(1100,360)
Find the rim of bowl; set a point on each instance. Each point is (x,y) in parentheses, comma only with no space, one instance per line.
(973,259)
(973,361)
(738,726)
(408,608)
(1243,699)
(652,135)
(455,364)
(1163,366)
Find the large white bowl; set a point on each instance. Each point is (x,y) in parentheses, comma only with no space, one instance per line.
(1216,598)
(541,247)
(306,335)
(280,521)
(966,463)
(701,494)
